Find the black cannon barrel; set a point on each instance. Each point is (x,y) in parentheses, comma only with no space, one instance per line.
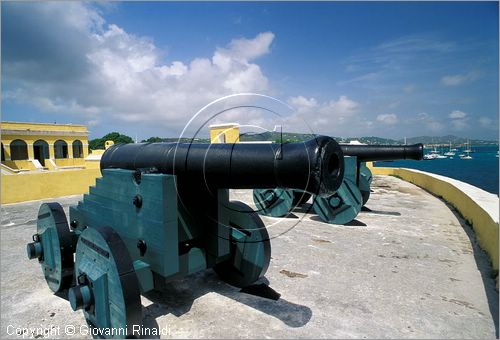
(369,153)
(316,166)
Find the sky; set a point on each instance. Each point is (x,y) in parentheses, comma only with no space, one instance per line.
(386,69)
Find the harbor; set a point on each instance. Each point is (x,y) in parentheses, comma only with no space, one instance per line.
(482,170)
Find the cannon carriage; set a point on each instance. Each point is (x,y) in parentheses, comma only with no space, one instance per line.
(162,211)
(345,204)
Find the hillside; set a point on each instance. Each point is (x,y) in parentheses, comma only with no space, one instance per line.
(297,137)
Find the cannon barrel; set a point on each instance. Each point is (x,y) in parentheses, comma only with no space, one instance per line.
(369,153)
(316,166)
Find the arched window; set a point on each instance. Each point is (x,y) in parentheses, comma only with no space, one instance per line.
(60,149)
(41,151)
(77,149)
(18,150)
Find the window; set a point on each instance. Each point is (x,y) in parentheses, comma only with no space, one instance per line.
(60,149)
(41,151)
(18,150)
(77,149)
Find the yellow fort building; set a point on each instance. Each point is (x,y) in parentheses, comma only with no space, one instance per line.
(42,160)
(40,146)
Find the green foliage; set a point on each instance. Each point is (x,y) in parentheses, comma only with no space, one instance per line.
(116,137)
(287,140)
(152,140)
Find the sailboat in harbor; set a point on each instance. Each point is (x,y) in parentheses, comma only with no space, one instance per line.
(467,151)
(434,154)
(450,153)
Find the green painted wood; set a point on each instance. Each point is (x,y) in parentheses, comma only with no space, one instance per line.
(57,246)
(110,202)
(364,182)
(343,206)
(273,202)
(250,247)
(104,267)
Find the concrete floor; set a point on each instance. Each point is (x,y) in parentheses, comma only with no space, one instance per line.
(410,268)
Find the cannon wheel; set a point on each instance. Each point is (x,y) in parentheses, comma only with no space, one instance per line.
(365,180)
(273,202)
(342,207)
(300,197)
(53,245)
(107,286)
(250,247)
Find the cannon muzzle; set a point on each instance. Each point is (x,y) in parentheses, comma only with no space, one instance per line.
(369,153)
(315,166)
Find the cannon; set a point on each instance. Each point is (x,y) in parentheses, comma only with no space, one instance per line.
(345,204)
(161,211)
(372,153)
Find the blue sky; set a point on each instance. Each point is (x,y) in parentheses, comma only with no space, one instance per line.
(346,68)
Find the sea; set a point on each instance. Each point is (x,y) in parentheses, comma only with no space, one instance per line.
(480,171)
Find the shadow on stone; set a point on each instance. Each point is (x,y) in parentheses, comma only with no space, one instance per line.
(381,212)
(177,298)
(305,208)
(355,223)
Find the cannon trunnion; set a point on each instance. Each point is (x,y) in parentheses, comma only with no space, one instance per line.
(162,211)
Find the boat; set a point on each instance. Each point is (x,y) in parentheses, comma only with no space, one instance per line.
(467,156)
(450,152)
(467,151)
(436,154)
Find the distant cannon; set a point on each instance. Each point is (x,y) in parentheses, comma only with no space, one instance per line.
(345,204)
(162,211)
(371,153)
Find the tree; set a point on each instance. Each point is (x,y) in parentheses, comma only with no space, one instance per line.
(116,137)
(152,140)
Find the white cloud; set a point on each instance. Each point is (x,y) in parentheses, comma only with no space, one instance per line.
(248,49)
(330,117)
(456,114)
(458,120)
(430,123)
(389,118)
(488,123)
(119,75)
(459,124)
(485,121)
(458,79)
(341,108)
(302,104)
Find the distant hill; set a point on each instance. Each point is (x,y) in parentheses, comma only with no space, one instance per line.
(275,137)
(447,139)
(175,140)
(299,137)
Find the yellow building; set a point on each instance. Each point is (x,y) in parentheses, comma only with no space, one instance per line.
(225,133)
(40,146)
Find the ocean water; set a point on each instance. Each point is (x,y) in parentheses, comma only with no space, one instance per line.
(481,171)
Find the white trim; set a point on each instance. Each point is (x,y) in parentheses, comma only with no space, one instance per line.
(224,125)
